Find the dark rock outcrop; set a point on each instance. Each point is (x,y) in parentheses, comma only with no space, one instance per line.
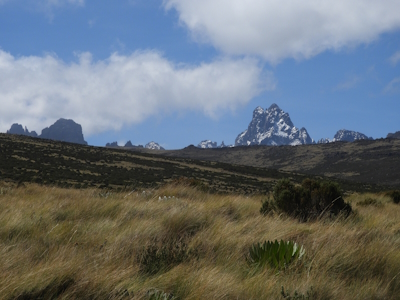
(65,131)
(18,129)
(272,127)
(113,144)
(128,144)
(395,135)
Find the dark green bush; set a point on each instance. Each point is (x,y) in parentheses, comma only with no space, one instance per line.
(310,200)
(267,207)
(395,195)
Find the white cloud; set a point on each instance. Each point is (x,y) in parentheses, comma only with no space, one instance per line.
(395,58)
(104,95)
(277,29)
(393,87)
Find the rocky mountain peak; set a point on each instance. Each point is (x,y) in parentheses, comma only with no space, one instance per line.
(18,129)
(153,146)
(64,130)
(345,135)
(272,126)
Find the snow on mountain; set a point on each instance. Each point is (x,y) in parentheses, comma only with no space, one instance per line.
(207,144)
(272,127)
(344,135)
(349,136)
(324,141)
(153,146)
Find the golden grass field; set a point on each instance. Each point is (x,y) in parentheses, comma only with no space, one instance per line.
(90,244)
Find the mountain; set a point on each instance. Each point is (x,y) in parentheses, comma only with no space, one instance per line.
(207,144)
(324,141)
(18,129)
(65,131)
(153,146)
(113,144)
(344,135)
(130,145)
(272,127)
(395,135)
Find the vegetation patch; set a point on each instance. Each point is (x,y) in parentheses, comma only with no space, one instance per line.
(276,254)
(310,200)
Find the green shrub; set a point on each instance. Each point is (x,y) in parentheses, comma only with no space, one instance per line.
(267,207)
(276,254)
(310,200)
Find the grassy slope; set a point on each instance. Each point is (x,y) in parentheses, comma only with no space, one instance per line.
(85,244)
(25,159)
(364,161)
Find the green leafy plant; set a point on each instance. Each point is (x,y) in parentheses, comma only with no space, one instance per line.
(276,254)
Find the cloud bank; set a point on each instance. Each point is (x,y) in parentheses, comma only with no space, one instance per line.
(122,90)
(278,29)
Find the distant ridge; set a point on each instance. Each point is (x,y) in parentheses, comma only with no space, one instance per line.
(62,130)
(344,135)
(395,135)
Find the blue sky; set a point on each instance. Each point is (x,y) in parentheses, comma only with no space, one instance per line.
(181,71)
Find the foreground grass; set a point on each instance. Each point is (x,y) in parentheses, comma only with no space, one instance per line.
(89,244)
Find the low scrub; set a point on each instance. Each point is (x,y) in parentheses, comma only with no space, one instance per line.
(395,195)
(311,200)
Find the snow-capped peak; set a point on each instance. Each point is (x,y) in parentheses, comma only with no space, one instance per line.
(272,127)
(154,146)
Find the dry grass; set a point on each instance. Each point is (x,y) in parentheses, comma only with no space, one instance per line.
(88,244)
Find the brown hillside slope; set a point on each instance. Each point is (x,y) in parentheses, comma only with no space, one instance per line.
(366,161)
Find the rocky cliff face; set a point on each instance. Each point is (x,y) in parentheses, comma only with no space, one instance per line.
(272,127)
(18,129)
(64,130)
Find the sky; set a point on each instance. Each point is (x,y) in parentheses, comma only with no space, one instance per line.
(181,71)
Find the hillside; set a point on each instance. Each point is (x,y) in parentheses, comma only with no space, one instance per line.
(26,159)
(363,161)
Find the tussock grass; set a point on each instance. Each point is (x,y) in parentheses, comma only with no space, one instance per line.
(90,244)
